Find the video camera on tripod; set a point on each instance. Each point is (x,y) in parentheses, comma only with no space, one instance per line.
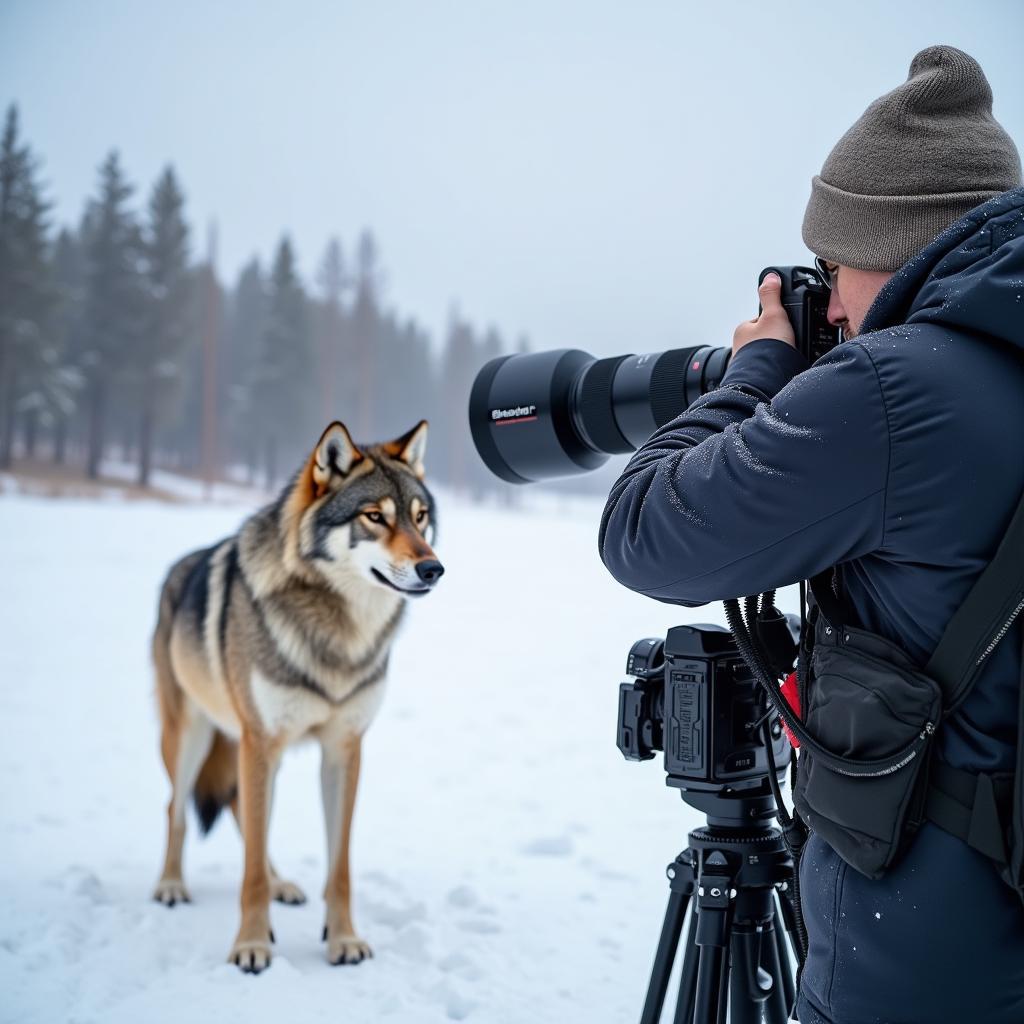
(695,697)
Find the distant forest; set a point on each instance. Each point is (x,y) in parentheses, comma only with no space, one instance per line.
(117,339)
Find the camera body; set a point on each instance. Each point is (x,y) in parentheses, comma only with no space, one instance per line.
(805,298)
(694,697)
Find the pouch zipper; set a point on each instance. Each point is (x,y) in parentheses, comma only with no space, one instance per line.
(922,738)
(914,747)
(1002,632)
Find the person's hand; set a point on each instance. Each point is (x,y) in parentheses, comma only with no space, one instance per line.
(772,323)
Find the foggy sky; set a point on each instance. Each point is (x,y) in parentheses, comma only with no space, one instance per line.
(605,176)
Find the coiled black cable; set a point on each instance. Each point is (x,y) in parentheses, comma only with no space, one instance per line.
(794,832)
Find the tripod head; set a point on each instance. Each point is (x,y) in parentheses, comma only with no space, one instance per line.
(743,811)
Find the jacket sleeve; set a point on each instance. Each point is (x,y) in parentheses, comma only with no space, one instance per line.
(760,483)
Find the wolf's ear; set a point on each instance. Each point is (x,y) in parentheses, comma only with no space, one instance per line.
(336,453)
(410,448)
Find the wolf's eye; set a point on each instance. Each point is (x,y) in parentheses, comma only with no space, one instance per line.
(421,517)
(374,516)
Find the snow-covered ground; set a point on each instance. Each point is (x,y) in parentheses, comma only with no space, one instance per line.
(508,864)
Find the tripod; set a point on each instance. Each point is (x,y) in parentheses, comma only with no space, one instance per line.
(736,958)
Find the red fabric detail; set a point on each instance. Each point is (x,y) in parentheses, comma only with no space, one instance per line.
(792,695)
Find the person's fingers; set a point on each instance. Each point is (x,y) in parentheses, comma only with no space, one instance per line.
(770,294)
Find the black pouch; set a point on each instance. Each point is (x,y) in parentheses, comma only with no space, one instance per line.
(869,717)
(862,784)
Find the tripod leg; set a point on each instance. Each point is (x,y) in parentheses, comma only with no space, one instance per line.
(776,1009)
(714,924)
(744,1003)
(723,986)
(785,965)
(711,965)
(664,957)
(688,980)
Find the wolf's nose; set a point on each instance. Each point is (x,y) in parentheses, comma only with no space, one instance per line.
(429,570)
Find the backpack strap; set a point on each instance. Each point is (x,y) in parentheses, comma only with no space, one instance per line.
(982,809)
(977,626)
(986,811)
(971,806)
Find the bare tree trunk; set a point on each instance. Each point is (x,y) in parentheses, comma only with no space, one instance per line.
(127,432)
(97,424)
(325,372)
(7,392)
(270,461)
(31,432)
(251,461)
(60,441)
(209,457)
(364,356)
(146,430)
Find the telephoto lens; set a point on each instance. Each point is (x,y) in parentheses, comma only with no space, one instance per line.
(541,415)
(549,414)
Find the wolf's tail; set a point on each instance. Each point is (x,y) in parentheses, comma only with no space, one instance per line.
(217,783)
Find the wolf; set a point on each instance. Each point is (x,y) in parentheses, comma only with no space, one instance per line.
(283,632)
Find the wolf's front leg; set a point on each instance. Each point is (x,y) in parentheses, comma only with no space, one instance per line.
(339,776)
(258,758)
(281,889)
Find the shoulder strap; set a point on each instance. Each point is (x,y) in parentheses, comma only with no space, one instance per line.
(984,810)
(977,626)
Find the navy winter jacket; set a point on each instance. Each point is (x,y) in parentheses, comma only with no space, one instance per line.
(898,457)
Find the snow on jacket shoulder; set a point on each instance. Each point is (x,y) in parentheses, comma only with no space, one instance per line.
(750,489)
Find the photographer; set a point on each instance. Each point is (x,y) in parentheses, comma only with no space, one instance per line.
(898,458)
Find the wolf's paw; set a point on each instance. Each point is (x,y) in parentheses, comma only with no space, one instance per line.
(170,891)
(347,949)
(286,892)
(252,955)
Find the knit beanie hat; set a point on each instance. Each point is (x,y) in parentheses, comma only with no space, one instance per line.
(918,159)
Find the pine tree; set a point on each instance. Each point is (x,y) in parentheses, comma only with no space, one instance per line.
(113,302)
(49,382)
(282,383)
(491,346)
(365,333)
(417,392)
(332,337)
(26,293)
(66,331)
(168,313)
(247,323)
(458,368)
